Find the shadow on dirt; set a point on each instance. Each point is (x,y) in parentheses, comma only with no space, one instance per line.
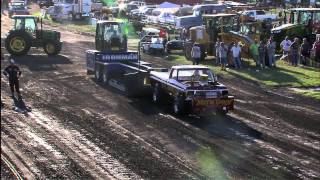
(214,123)
(42,62)
(20,106)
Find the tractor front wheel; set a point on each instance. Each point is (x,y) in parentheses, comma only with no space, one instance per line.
(52,48)
(18,43)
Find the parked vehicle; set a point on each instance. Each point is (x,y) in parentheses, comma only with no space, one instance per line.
(18,8)
(45,3)
(75,9)
(152,44)
(176,44)
(166,18)
(261,15)
(25,34)
(193,89)
(151,41)
(198,11)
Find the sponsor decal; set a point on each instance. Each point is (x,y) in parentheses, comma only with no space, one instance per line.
(119,57)
(213,102)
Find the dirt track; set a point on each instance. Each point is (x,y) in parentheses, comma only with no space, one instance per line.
(71,127)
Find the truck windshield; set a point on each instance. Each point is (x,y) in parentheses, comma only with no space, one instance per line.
(193,74)
(111,30)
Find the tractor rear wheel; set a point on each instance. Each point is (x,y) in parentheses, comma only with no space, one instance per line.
(52,48)
(18,43)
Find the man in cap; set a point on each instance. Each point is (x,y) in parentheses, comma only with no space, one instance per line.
(13,73)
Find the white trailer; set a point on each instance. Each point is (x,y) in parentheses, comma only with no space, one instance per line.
(75,9)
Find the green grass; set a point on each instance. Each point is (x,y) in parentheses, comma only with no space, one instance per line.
(283,75)
(309,93)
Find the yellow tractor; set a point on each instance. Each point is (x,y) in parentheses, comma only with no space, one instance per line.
(215,25)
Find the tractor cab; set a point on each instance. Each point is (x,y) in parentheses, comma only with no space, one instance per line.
(25,23)
(298,22)
(217,24)
(111,36)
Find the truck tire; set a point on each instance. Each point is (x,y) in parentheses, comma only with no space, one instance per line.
(156,94)
(18,43)
(52,48)
(97,73)
(105,76)
(178,105)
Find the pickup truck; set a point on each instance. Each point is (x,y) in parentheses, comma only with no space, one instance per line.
(193,88)
(255,15)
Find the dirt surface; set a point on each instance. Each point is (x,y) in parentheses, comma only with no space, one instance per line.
(70,127)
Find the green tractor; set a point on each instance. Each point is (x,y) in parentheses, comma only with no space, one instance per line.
(25,35)
(298,22)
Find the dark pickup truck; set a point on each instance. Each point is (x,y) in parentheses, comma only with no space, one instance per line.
(194,89)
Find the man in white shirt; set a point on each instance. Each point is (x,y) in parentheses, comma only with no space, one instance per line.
(236,50)
(285,45)
(195,53)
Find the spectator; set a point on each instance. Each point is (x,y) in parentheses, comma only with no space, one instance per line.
(195,54)
(316,48)
(271,49)
(305,51)
(294,52)
(254,52)
(285,45)
(217,45)
(13,73)
(223,51)
(236,50)
(262,54)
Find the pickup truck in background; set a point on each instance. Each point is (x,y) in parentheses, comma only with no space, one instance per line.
(193,89)
(254,15)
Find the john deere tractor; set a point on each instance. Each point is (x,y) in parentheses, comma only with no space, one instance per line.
(26,34)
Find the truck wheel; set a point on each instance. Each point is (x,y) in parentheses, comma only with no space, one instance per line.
(18,43)
(156,95)
(178,105)
(105,76)
(52,48)
(97,73)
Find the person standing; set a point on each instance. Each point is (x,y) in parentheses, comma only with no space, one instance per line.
(262,54)
(316,48)
(217,46)
(13,73)
(255,52)
(305,51)
(271,49)
(285,45)
(236,50)
(223,54)
(195,54)
(294,52)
